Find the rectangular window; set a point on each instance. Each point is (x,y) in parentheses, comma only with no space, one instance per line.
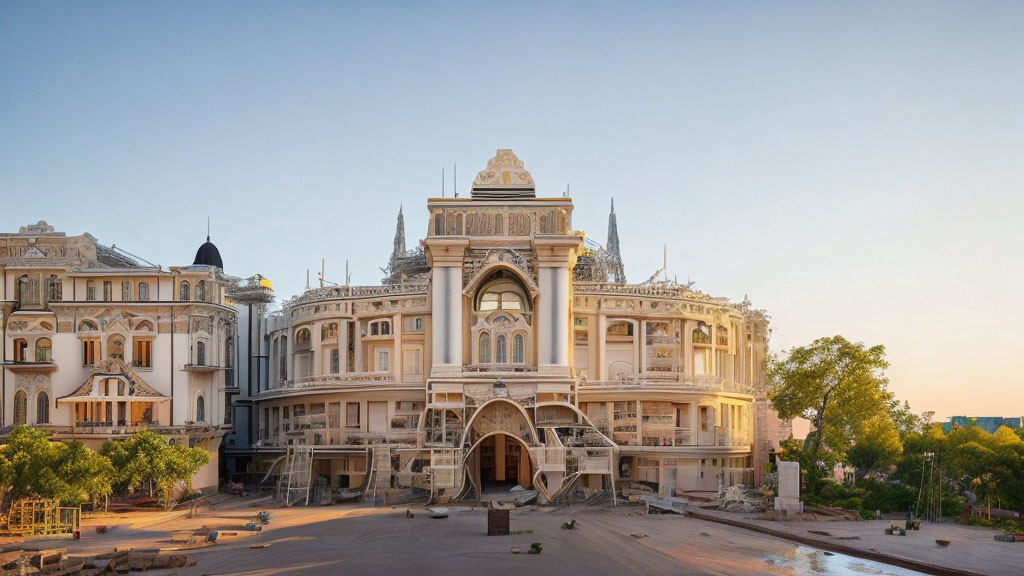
(383,361)
(143,355)
(126,291)
(108,291)
(335,361)
(90,291)
(143,291)
(705,423)
(352,415)
(89,352)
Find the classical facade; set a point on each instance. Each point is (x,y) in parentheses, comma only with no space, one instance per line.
(509,349)
(97,345)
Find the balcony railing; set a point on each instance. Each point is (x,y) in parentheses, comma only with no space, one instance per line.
(353,379)
(730,437)
(493,367)
(701,382)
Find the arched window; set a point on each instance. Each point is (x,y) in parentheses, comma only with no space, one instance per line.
(701,334)
(517,349)
(87,326)
(201,353)
(502,295)
(143,291)
(485,348)
(20,350)
(54,289)
(201,290)
(185,292)
(200,409)
(43,349)
(329,331)
(20,407)
(302,336)
(42,408)
(500,350)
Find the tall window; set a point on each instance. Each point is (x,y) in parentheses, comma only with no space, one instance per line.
(352,415)
(201,353)
(20,350)
(108,290)
(200,409)
(329,331)
(126,291)
(485,348)
(54,289)
(42,408)
(143,291)
(501,350)
(418,323)
(143,354)
(383,361)
(335,361)
(184,292)
(201,290)
(43,350)
(90,290)
(89,352)
(517,349)
(20,407)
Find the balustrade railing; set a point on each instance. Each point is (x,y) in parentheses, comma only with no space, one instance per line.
(700,382)
(346,379)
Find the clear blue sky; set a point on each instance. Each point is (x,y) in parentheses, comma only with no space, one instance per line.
(856,168)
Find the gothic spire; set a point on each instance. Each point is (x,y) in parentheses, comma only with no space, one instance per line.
(399,249)
(617,271)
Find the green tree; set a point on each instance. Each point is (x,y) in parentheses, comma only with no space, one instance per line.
(29,454)
(147,460)
(32,465)
(836,384)
(877,446)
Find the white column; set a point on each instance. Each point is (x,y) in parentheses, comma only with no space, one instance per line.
(396,331)
(553,320)
(446,318)
(601,369)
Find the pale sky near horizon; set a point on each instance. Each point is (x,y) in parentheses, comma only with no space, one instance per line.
(855,168)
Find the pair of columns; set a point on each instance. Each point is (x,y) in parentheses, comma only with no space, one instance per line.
(555,257)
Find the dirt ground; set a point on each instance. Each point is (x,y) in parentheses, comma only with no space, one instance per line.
(354,539)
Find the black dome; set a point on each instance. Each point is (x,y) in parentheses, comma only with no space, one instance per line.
(208,255)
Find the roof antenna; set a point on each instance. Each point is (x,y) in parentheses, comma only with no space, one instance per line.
(455,179)
(664,262)
(323,270)
(348,278)
(207,228)
(307,278)
(442,181)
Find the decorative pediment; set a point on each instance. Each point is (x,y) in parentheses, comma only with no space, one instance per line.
(504,178)
(114,368)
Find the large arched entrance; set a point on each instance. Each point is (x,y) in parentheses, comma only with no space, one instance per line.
(498,462)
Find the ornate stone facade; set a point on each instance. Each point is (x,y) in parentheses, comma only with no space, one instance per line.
(97,345)
(513,353)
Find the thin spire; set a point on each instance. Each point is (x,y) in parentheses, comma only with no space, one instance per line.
(617,272)
(399,245)
(207,228)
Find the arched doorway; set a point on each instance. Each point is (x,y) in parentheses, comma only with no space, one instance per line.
(498,462)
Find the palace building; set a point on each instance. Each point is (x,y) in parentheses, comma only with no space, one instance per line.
(98,345)
(505,349)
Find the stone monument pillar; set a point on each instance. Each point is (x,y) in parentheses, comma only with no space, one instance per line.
(787,500)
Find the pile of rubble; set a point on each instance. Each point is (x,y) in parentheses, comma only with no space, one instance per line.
(739,498)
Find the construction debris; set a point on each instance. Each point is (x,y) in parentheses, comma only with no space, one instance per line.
(739,498)
(438,512)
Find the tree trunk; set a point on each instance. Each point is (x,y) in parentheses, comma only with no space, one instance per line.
(818,422)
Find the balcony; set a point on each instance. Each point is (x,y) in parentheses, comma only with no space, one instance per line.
(335,381)
(31,366)
(203,368)
(729,437)
(668,381)
(669,437)
(500,368)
